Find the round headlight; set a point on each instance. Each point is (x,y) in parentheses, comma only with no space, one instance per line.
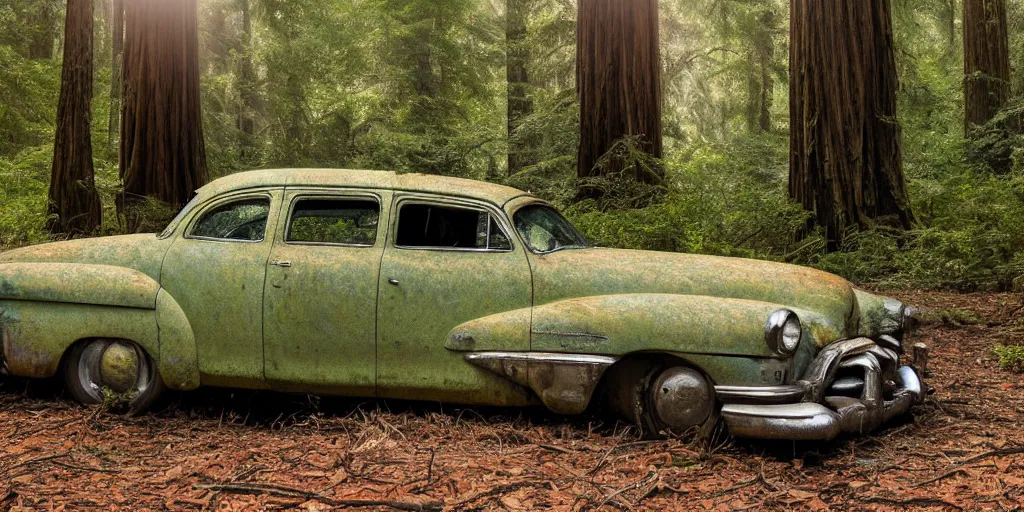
(783,332)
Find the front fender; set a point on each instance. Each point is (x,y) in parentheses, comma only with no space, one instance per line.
(622,324)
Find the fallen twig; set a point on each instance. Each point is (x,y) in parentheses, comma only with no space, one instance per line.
(993,453)
(291,492)
(554,448)
(934,502)
(37,460)
(943,476)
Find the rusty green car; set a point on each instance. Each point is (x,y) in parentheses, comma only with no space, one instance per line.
(377,284)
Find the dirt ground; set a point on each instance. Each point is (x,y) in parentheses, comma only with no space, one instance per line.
(222,450)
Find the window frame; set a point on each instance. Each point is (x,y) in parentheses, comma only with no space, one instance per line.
(530,248)
(224,200)
(331,197)
(493,213)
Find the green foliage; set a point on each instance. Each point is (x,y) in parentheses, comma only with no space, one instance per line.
(950,317)
(726,200)
(1011,357)
(420,86)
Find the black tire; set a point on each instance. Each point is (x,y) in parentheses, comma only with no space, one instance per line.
(84,381)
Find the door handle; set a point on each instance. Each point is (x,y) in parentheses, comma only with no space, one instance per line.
(284,264)
(393,281)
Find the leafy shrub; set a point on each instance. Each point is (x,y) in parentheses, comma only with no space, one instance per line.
(1011,357)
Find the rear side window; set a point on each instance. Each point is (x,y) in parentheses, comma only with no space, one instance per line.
(244,220)
(447,227)
(334,221)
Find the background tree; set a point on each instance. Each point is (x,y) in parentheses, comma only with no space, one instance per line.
(163,155)
(618,75)
(116,48)
(987,79)
(74,202)
(520,103)
(44,30)
(846,164)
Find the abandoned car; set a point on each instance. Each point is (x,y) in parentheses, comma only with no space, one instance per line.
(377,284)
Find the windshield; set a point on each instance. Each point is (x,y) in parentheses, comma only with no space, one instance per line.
(545,230)
(171,226)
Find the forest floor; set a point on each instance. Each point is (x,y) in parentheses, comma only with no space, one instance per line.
(221,450)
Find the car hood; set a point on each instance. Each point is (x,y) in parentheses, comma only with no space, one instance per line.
(824,301)
(143,252)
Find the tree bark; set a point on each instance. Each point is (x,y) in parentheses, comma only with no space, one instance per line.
(986,71)
(520,105)
(74,204)
(845,163)
(618,76)
(162,150)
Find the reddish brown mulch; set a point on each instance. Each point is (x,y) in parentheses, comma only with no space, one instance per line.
(223,450)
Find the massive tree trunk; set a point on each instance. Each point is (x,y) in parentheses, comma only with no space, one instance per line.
(162,151)
(845,162)
(74,203)
(986,70)
(117,46)
(519,103)
(618,75)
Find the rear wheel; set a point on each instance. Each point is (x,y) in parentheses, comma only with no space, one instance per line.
(664,400)
(117,372)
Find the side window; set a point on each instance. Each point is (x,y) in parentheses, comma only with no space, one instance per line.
(422,225)
(334,221)
(244,220)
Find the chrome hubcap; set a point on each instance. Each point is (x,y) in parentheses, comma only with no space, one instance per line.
(118,366)
(682,399)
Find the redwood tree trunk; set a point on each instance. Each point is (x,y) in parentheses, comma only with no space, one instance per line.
(618,76)
(74,203)
(845,162)
(162,151)
(986,70)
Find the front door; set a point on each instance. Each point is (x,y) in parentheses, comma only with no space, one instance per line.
(319,317)
(447,262)
(216,272)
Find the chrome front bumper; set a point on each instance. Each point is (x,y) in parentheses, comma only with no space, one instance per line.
(852,386)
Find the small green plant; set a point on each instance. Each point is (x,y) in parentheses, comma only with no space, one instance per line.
(1011,357)
(950,317)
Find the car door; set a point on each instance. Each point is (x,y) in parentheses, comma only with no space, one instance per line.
(216,271)
(447,261)
(320,305)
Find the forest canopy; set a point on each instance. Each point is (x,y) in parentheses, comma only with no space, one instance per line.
(487,89)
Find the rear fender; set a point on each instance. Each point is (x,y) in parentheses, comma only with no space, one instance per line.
(47,307)
(74,283)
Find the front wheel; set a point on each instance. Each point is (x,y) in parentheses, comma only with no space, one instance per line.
(118,372)
(676,401)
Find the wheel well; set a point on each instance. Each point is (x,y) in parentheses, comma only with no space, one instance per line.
(618,387)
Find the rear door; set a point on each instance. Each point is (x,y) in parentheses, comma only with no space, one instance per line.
(320,305)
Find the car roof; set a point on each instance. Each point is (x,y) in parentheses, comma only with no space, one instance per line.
(497,194)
